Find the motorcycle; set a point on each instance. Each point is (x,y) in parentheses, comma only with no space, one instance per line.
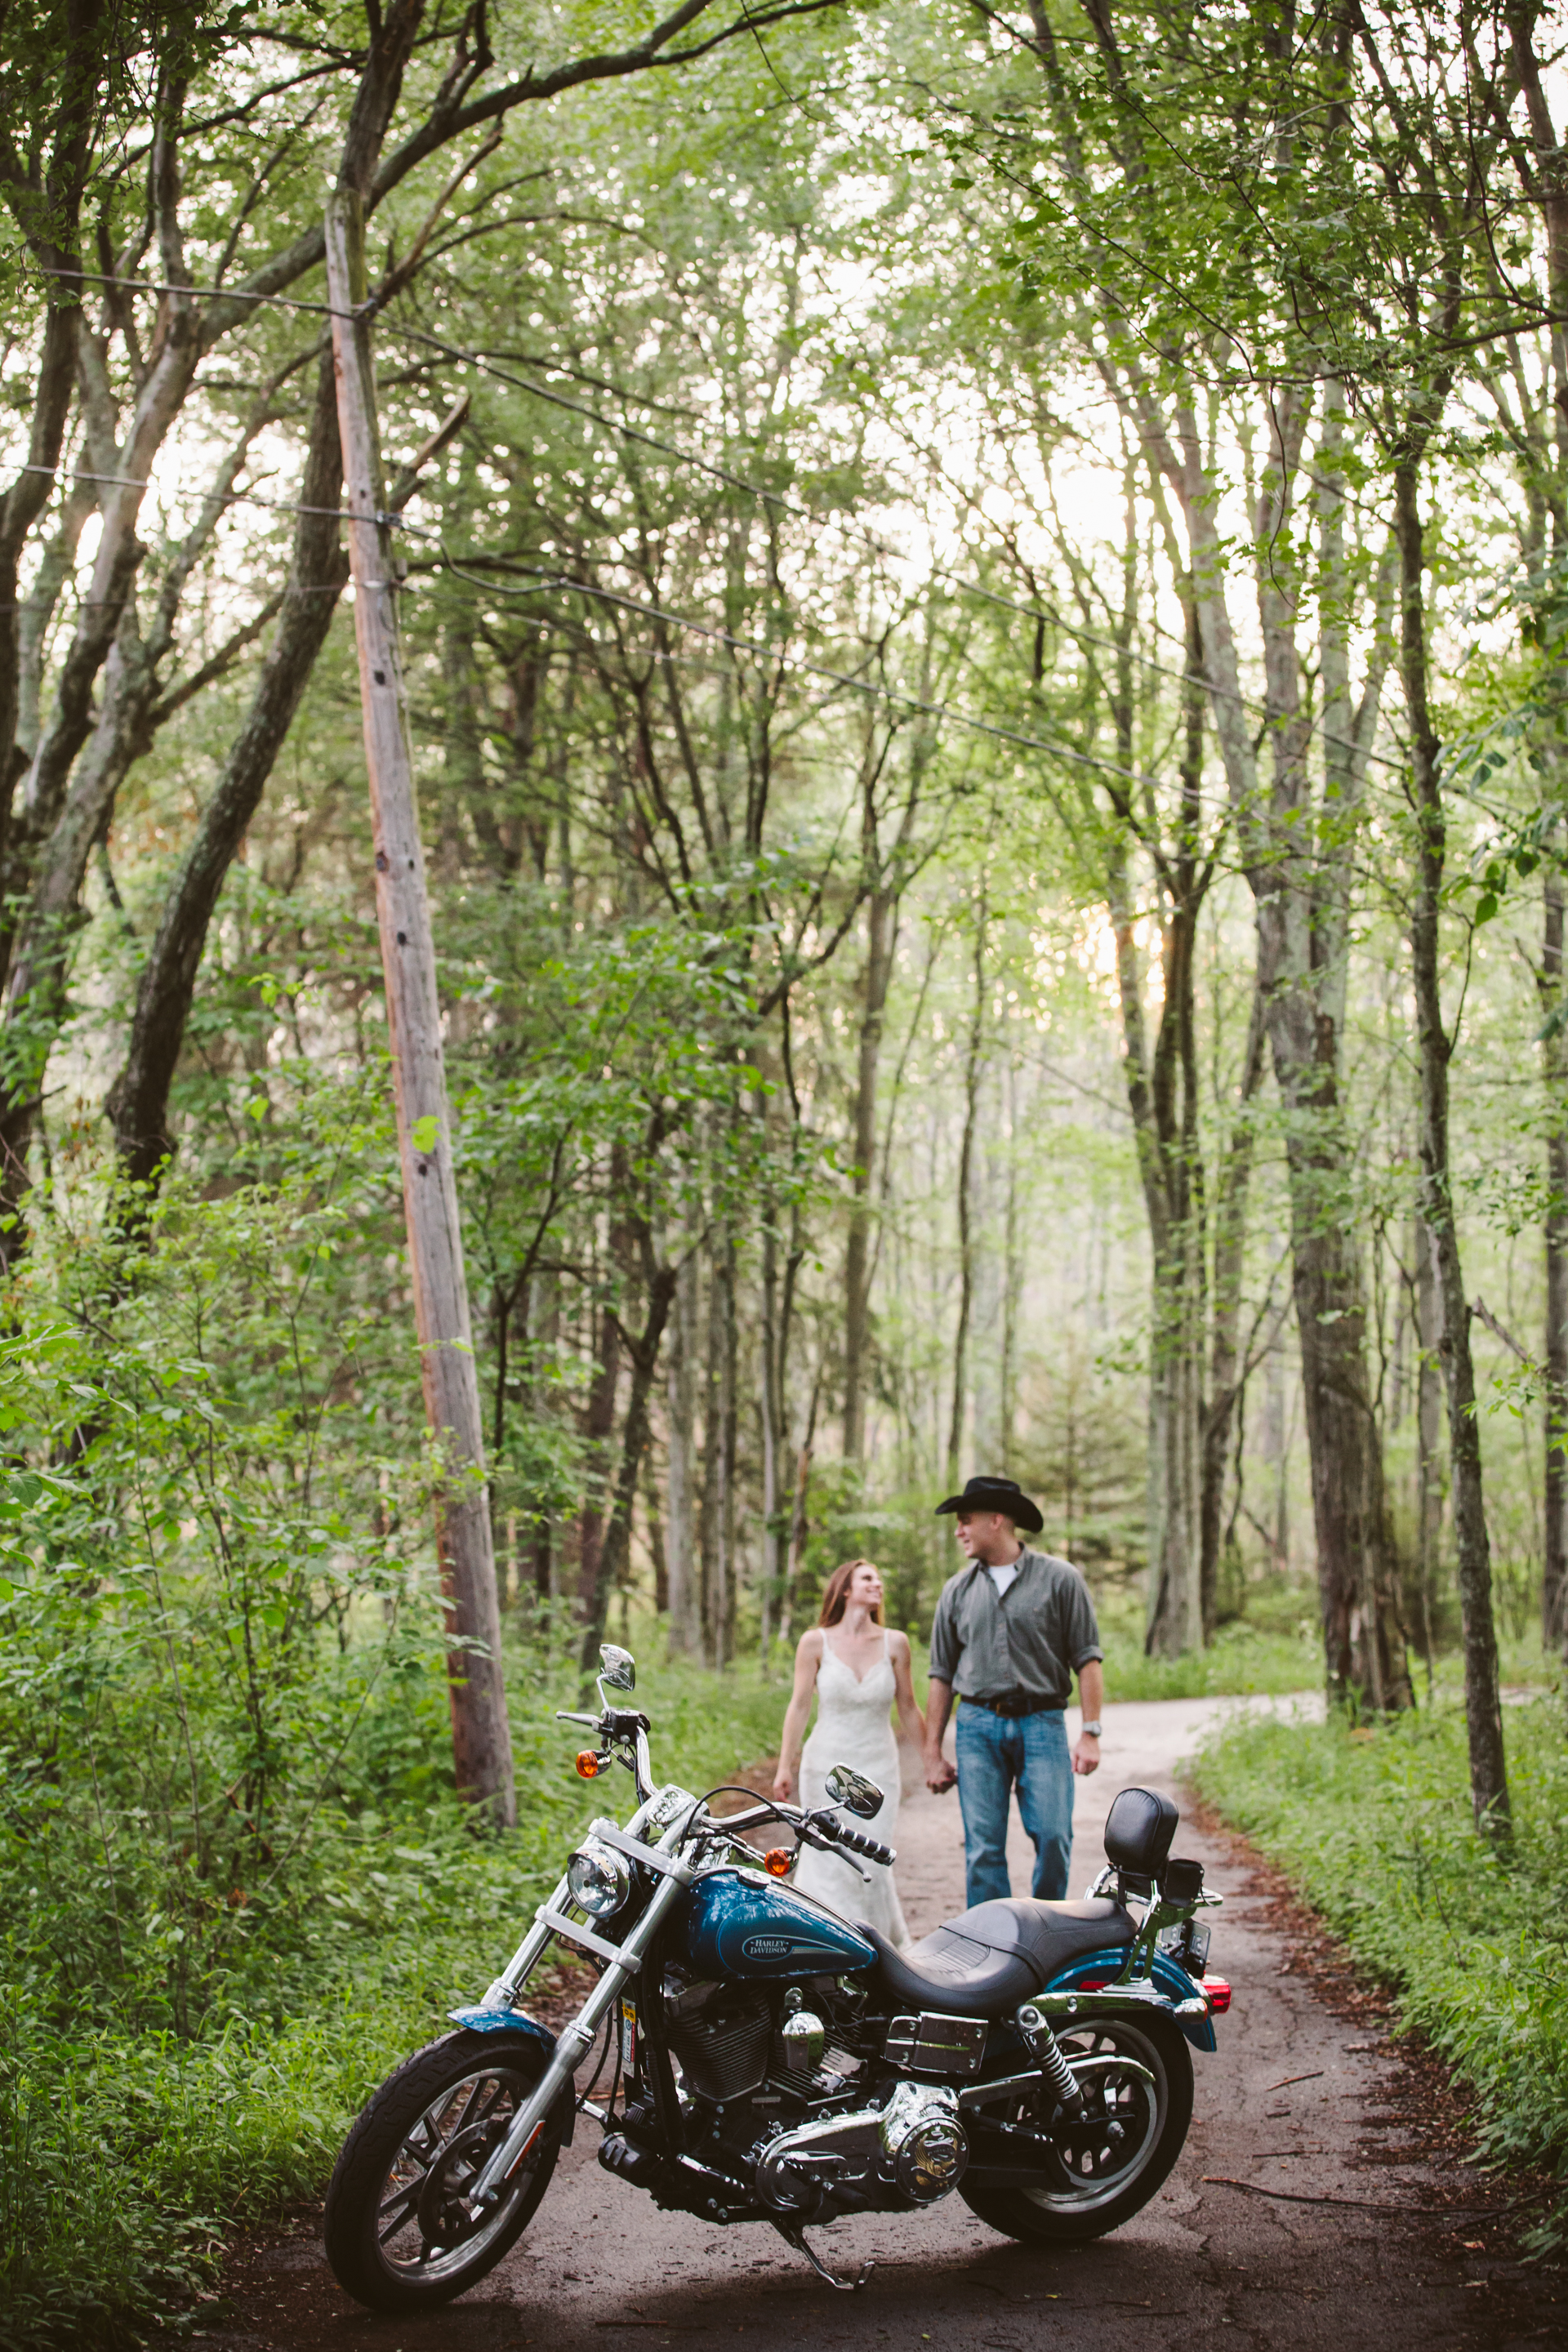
(772,2061)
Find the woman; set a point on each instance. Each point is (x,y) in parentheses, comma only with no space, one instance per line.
(857,1670)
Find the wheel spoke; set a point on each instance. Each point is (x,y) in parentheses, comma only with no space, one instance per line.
(396,2211)
(424,2225)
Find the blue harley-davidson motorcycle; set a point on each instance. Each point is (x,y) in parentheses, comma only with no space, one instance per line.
(769,2061)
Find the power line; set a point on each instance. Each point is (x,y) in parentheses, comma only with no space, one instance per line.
(547,583)
(237,497)
(1032,612)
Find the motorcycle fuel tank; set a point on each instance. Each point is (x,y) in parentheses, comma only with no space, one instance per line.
(740,1923)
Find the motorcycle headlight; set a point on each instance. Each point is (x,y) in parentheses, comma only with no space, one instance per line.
(599,1878)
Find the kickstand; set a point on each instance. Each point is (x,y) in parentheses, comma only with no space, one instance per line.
(796,2238)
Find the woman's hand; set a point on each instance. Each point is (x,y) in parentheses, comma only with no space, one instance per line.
(784,1784)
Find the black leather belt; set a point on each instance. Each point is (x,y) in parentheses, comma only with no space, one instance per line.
(1013,1704)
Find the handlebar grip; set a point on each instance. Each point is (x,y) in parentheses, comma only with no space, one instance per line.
(869,1847)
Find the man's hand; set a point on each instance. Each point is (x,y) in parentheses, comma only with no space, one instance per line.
(940,1774)
(1091,1698)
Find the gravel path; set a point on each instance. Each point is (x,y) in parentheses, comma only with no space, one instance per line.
(1296,2100)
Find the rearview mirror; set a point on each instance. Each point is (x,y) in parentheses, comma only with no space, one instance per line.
(854,1791)
(617,1667)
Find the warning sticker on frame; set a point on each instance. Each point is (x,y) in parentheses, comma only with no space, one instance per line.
(629,2033)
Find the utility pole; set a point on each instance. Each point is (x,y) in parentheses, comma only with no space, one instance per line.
(481,1739)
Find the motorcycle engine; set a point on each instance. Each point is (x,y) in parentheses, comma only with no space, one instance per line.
(722,2035)
(911,2150)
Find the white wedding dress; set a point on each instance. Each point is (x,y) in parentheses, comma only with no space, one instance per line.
(854,1726)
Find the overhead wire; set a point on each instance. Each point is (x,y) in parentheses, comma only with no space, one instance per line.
(389,519)
(1037,611)
(548,581)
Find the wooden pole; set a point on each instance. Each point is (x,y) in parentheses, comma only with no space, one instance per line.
(481,1741)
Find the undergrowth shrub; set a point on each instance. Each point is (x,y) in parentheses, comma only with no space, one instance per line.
(125,2148)
(1374,1825)
(236,1883)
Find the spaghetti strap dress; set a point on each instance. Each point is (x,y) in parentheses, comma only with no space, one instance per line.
(854,1726)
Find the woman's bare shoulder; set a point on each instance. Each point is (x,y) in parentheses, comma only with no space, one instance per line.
(899,1644)
(810,1642)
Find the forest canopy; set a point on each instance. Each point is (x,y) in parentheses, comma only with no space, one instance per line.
(979,595)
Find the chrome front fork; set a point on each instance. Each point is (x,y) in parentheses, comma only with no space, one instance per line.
(577,2039)
(504,1992)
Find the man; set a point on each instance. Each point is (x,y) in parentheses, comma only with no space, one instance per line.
(1010,1631)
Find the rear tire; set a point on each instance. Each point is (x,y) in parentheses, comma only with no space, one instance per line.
(1101,2181)
(397,2236)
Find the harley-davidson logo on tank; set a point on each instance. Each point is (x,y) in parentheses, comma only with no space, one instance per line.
(740,1924)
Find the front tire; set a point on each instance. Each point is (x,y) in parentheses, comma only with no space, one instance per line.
(1108,2167)
(399,2235)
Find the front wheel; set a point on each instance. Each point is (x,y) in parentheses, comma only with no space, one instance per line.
(399,2235)
(1104,2166)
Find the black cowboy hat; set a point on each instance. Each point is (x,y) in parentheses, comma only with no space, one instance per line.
(1004,1495)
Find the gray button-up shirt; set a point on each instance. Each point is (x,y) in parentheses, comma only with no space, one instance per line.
(1031,1640)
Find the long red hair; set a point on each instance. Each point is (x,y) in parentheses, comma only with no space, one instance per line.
(835,1595)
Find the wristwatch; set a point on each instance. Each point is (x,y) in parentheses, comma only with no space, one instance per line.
(1089,1730)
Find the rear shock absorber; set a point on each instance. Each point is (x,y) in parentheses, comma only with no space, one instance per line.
(1043,2043)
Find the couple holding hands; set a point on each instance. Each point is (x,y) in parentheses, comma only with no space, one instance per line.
(1011,1629)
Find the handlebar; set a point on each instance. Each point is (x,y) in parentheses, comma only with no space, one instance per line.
(857,1842)
(619,1728)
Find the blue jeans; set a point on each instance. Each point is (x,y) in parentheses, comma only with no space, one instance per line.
(996,1754)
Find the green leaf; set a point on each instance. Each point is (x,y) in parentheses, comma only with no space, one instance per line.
(1485,906)
(426,1131)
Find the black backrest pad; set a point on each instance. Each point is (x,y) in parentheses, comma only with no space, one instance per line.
(1138,1830)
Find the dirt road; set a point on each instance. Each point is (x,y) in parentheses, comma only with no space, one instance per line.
(1296,2100)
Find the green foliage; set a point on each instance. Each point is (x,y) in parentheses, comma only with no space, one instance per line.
(125,2148)
(1375,1826)
(1242,1658)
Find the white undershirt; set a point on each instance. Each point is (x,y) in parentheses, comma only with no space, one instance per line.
(1001,1575)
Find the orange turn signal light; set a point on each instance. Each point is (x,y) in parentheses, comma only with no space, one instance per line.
(589,1764)
(776,1861)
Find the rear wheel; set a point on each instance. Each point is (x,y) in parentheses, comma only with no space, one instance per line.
(1102,2168)
(399,2234)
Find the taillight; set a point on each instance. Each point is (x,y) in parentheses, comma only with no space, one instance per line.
(1217,1992)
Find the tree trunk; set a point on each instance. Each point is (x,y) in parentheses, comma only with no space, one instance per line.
(598,1424)
(657,1549)
(481,1741)
(1554,1058)
(616,1548)
(720,1431)
(729,1582)
(1483,1708)
(680,1449)
(880,910)
(965,1208)
(138,1103)
(1011,1286)
(772,1413)
(798,1526)
(543,1327)
(1225,1369)
(1428,1433)
(1302,896)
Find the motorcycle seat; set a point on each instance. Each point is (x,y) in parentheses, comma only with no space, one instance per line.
(987,1960)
